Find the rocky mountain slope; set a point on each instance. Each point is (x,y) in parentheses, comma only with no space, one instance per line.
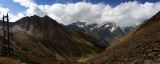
(141,46)
(44,39)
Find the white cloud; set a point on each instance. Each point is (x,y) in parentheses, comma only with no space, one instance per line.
(125,14)
(26,3)
(3,11)
(12,18)
(131,13)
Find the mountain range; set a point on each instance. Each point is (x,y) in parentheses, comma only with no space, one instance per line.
(44,40)
(140,46)
(106,33)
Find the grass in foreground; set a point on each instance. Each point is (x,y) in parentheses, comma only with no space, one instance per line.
(7,60)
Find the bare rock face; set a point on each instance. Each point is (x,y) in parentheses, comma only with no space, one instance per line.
(141,46)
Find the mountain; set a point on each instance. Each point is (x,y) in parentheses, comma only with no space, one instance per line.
(44,39)
(106,33)
(141,46)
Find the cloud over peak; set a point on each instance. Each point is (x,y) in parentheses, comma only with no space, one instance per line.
(124,14)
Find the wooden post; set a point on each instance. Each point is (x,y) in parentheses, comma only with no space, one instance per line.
(4,35)
(8,35)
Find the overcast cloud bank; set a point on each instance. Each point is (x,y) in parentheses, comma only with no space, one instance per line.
(124,14)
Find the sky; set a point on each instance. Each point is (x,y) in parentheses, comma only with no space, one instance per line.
(122,12)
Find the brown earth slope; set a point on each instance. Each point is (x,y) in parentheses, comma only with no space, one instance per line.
(141,46)
(43,39)
(7,60)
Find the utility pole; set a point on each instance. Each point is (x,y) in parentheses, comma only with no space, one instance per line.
(6,46)
(4,35)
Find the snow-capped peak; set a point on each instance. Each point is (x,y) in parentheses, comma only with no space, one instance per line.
(112,29)
(106,25)
(81,26)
